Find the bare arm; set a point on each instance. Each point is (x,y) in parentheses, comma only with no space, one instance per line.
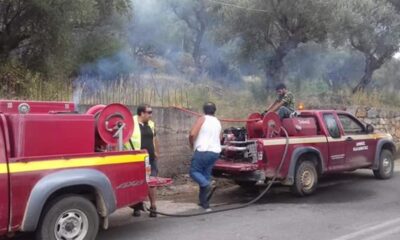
(195,130)
(269,109)
(276,106)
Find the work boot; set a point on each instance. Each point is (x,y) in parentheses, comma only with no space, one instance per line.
(211,189)
(137,208)
(203,196)
(136,213)
(210,193)
(152,212)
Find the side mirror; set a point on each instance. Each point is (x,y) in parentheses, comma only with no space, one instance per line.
(369,128)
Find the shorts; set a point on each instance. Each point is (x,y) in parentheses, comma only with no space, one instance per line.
(154,168)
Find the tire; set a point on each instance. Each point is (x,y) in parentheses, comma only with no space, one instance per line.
(386,165)
(305,180)
(68,217)
(248,186)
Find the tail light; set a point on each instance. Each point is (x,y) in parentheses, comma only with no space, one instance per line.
(147,168)
(260,153)
(260,150)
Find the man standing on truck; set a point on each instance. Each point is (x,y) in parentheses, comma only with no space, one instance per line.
(205,140)
(144,137)
(284,104)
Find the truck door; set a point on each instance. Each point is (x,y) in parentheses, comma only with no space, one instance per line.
(4,190)
(358,143)
(336,144)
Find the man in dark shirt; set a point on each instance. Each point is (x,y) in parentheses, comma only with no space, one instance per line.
(284,104)
(148,142)
(144,137)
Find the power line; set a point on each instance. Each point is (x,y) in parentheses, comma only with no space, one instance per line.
(238,6)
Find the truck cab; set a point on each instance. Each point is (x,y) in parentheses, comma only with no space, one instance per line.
(298,150)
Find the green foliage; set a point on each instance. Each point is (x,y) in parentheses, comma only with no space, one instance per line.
(45,35)
(234,49)
(271,29)
(373,28)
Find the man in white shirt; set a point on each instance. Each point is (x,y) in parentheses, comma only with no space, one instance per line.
(205,139)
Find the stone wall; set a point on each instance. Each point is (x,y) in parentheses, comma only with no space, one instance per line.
(173,128)
(384,120)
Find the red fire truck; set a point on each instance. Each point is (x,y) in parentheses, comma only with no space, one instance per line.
(62,173)
(315,142)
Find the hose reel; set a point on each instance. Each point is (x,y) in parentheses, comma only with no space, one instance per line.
(114,125)
(267,126)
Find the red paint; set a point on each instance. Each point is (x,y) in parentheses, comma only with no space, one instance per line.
(300,126)
(159,181)
(22,183)
(235,167)
(45,134)
(4,197)
(50,134)
(337,155)
(11,106)
(112,115)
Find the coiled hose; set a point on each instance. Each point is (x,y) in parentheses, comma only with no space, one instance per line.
(265,191)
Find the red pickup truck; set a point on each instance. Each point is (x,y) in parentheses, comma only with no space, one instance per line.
(61,173)
(319,142)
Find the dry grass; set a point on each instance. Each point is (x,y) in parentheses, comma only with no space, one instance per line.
(166,90)
(19,83)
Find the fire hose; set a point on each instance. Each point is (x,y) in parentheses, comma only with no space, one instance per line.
(263,193)
(221,119)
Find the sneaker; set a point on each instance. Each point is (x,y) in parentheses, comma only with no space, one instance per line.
(208,210)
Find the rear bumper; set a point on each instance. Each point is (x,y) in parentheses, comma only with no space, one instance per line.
(159,182)
(238,171)
(235,167)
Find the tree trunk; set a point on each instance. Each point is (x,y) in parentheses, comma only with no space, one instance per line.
(371,64)
(273,71)
(197,45)
(200,30)
(274,65)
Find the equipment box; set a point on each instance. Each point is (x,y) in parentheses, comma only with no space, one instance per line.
(14,106)
(51,134)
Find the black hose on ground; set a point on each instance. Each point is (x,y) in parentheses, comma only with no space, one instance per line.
(265,191)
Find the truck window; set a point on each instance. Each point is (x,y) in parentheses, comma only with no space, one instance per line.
(332,126)
(350,126)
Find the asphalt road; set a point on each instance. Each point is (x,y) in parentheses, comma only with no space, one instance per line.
(349,206)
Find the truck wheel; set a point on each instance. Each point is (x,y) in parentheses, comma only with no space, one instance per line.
(69,217)
(386,165)
(306,179)
(248,186)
